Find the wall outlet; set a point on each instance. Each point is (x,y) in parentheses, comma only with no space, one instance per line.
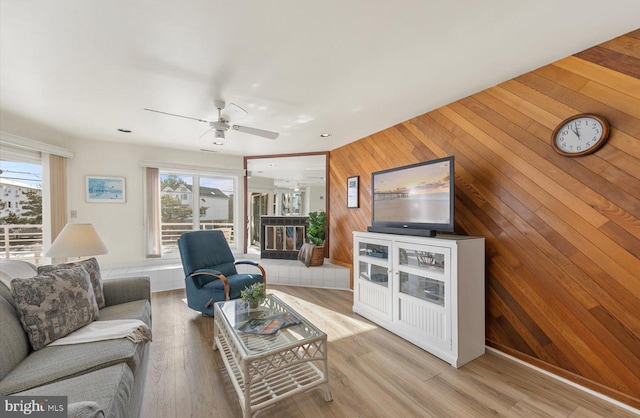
(73,214)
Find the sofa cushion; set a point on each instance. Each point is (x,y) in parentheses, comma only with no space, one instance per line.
(18,268)
(110,388)
(92,267)
(84,409)
(138,309)
(54,363)
(14,344)
(13,269)
(127,289)
(5,292)
(52,305)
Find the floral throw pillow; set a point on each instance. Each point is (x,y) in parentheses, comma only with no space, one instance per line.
(53,304)
(92,267)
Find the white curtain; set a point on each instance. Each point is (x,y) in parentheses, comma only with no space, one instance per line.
(152,212)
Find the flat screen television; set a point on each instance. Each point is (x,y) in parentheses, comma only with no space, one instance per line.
(416,199)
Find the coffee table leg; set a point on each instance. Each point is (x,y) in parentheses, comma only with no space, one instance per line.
(246,413)
(215,335)
(327,392)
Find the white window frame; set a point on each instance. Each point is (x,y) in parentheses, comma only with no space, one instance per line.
(238,241)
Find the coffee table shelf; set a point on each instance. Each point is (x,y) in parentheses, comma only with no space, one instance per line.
(265,369)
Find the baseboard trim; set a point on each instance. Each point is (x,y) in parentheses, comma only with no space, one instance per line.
(567,381)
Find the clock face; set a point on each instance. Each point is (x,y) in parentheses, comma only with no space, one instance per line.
(580,135)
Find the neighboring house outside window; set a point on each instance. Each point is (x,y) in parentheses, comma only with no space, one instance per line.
(21,228)
(185,207)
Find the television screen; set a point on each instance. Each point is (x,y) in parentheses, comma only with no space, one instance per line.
(418,196)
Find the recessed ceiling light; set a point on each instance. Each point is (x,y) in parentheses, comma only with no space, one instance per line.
(325,135)
(126,131)
(218,143)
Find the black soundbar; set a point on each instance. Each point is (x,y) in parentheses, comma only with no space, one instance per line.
(402,231)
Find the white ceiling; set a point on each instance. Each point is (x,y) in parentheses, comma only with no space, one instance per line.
(289,172)
(84,68)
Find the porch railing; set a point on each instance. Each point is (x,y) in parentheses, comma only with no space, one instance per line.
(21,241)
(172,231)
(24,241)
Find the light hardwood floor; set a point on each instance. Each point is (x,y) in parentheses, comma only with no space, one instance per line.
(373,373)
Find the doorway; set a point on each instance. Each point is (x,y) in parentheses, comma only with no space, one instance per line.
(292,185)
(259,207)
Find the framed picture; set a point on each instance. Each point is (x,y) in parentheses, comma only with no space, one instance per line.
(353,191)
(105,189)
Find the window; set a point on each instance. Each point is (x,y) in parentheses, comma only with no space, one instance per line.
(291,204)
(21,210)
(195,202)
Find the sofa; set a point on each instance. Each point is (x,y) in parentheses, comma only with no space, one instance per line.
(99,378)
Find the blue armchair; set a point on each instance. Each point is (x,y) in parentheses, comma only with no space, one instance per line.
(210,270)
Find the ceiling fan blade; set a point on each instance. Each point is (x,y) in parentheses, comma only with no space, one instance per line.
(233,112)
(206,132)
(173,114)
(254,131)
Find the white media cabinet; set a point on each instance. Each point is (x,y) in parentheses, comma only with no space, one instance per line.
(429,291)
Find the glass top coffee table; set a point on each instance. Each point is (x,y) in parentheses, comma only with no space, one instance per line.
(270,352)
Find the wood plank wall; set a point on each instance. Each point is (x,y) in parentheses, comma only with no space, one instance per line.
(562,234)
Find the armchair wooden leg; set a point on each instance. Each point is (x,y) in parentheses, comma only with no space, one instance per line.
(264,276)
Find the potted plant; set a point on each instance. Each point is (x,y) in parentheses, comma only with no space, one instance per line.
(312,254)
(254,294)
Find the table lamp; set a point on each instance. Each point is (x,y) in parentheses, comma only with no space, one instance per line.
(76,240)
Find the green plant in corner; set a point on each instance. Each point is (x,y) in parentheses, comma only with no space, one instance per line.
(317,228)
(254,294)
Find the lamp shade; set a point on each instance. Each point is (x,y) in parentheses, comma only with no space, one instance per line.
(76,240)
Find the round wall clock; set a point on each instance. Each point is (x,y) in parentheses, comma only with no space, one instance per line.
(580,135)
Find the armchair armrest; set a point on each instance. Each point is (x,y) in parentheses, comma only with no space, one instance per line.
(251,262)
(256,264)
(127,289)
(203,276)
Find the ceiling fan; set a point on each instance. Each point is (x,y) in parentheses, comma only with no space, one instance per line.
(222,125)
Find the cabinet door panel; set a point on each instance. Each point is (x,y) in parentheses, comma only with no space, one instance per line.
(424,260)
(374,273)
(422,287)
(372,290)
(374,248)
(430,322)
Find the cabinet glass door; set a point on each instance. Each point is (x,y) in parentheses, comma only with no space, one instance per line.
(423,272)
(428,260)
(423,293)
(422,287)
(372,290)
(370,249)
(374,273)
(373,262)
